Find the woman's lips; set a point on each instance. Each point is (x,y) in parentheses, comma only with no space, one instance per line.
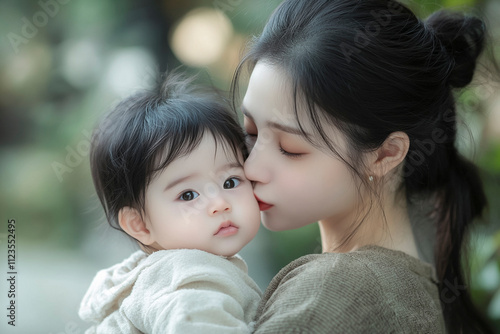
(263,206)
(227,228)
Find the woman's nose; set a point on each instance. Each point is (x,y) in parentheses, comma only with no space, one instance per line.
(256,166)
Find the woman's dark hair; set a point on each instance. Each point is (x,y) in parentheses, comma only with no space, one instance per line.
(147,131)
(374,68)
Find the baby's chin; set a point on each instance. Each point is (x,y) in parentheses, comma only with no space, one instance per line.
(229,252)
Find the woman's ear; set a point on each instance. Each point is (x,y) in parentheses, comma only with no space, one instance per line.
(132,223)
(390,155)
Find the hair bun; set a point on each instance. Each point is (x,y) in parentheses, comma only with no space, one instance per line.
(463,37)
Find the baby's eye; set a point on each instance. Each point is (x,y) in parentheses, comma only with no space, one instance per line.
(231,183)
(188,195)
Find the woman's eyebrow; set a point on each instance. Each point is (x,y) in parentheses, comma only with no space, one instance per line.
(278,126)
(286,128)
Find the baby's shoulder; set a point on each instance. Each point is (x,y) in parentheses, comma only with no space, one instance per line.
(192,260)
(178,267)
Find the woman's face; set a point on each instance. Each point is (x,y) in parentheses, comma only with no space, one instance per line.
(301,183)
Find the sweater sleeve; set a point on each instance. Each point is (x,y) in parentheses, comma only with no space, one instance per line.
(324,297)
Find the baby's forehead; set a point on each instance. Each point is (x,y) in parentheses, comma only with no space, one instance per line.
(209,155)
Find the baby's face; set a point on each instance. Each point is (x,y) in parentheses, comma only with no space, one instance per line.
(202,201)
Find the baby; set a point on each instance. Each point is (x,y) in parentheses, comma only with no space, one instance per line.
(168,169)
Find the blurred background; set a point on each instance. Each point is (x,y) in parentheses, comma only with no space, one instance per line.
(63,63)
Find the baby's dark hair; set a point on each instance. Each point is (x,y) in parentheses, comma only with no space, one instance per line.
(145,132)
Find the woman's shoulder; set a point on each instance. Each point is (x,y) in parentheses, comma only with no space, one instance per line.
(323,267)
(366,263)
(327,274)
(372,287)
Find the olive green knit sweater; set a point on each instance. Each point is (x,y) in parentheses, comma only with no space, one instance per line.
(371,290)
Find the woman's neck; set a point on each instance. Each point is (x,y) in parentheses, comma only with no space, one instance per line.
(386,224)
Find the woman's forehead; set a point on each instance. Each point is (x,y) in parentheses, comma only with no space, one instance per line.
(269,96)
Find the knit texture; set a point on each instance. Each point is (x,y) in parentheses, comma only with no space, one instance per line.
(371,290)
(172,291)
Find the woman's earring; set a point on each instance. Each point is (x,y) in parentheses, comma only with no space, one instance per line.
(370,178)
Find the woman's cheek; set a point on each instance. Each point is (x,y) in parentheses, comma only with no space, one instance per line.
(323,186)
(298,189)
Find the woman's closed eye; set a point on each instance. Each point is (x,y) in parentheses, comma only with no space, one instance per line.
(250,140)
(290,154)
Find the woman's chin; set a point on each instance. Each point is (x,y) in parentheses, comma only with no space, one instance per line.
(277,224)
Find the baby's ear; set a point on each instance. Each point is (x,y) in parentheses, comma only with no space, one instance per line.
(132,223)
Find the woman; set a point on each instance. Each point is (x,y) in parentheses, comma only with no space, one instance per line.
(351,118)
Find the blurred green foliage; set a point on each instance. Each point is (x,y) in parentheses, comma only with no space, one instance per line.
(56,81)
